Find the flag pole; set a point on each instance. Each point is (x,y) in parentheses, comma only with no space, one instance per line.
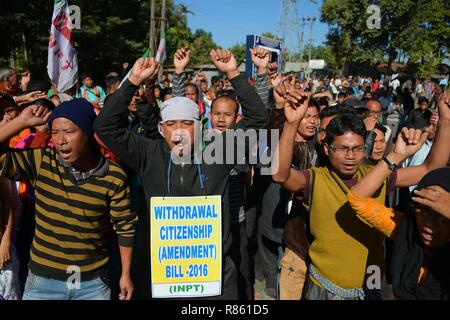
(146,54)
(162,35)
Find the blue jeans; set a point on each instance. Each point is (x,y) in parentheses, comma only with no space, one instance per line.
(40,288)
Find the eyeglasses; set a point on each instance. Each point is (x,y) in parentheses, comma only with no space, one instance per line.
(344,150)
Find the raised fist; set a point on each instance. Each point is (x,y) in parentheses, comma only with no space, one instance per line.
(143,69)
(295,106)
(181,59)
(225,62)
(260,58)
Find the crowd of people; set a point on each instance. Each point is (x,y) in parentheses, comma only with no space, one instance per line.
(355,206)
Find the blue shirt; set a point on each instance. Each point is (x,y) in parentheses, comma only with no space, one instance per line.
(91,96)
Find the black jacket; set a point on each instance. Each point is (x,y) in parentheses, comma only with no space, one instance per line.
(418,119)
(150,157)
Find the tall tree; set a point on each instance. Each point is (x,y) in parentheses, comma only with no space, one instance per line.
(239,51)
(112,32)
(418,28)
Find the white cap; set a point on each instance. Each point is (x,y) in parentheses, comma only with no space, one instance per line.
(180,108)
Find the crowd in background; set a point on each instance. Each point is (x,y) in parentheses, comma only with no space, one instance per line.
(363,180)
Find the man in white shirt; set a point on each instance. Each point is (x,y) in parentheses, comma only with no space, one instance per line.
(394,81)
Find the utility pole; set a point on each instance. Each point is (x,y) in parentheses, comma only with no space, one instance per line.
(301,41)
(310,36)
(163,30)
(151,44)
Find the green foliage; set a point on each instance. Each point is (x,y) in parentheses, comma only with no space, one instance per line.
(239,51)
(420,29)
(112,32)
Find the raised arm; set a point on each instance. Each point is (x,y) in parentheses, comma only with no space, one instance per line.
(29,97)
(439,153)
(111,124)
(255,114)
(408,142)
(296,104)
(32,116)
(325,94)
(260,58)
(180,60)
(22,165)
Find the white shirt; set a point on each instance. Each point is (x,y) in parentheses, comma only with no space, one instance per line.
(394,84)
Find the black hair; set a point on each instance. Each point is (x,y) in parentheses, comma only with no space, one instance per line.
(165,92)
(190,84)
(401,99)
(85,75)
(227,92)
(6,101)
(315,104)
(329,112)
(54,96)
(423,99)
(342,94)
(214,79)
(323,101)
(229,95)
(111,80)
(343,123)
(37,84)
(367,92)
(45,102)
(335,110)
(380,127)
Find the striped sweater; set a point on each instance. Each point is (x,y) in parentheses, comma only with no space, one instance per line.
(73,218)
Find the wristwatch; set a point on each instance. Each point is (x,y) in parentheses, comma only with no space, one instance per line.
(391,166)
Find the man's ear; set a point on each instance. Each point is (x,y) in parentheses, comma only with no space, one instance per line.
(161,129)
(326,149)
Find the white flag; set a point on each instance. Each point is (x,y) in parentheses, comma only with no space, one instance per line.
(161,53)
(62,66)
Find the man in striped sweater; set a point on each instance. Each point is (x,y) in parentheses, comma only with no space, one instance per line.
(79,194)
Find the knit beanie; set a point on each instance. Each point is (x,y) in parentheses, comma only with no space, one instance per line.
(79,111)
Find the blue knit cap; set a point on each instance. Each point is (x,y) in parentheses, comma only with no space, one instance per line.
(79,111)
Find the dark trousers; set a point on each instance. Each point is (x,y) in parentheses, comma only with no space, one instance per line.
(267,259)
(239,253)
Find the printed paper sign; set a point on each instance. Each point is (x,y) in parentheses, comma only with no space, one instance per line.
(186,246)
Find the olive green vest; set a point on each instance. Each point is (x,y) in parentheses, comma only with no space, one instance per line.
(344,246)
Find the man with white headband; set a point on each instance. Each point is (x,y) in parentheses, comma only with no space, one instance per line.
(154,159)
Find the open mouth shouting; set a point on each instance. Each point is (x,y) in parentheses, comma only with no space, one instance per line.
(65,154)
